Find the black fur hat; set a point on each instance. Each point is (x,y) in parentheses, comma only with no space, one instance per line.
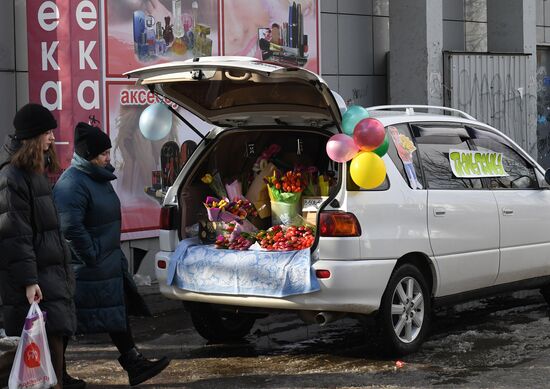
(90,141)
(33,120)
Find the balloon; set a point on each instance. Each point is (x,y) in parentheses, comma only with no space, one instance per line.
(369,134)
(368,170)
(383,148)
(351,117)
(341,148)
(155,122)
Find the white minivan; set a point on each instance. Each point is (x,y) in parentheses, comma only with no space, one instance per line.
(463,212)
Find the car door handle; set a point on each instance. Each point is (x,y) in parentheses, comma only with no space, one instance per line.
(439,211)
(507,211)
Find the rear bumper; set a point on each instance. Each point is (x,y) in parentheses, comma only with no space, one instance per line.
(354,287)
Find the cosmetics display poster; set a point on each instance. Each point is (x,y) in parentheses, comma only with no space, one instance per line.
(137,160)
(143,33)
(280,31)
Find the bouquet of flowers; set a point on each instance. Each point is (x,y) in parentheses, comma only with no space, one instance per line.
(285,191)
(286,238)
(223,210)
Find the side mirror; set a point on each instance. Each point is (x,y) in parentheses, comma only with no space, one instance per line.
(547,176)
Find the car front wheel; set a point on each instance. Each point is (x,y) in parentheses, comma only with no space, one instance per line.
(404,315)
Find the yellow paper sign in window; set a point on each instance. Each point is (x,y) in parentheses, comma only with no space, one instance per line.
(476,164)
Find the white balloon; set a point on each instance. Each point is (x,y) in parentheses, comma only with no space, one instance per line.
(155,121)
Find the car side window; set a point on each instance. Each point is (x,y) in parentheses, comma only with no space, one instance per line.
(521,174)
(434,144)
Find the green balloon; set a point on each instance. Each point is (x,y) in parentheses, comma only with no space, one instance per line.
(353,115)
(383,148)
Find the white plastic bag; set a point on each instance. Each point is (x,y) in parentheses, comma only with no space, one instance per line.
(32,367)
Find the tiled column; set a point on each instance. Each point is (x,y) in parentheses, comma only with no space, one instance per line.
(416,61)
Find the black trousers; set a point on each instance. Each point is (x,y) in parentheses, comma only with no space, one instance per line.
(123,341)
(57,353)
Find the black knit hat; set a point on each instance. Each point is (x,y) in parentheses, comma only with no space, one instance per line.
(33,120)
(90,141)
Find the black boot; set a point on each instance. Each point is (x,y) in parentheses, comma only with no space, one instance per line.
(139,368)
(71,382)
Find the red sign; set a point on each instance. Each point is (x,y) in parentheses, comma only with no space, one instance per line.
(64,62)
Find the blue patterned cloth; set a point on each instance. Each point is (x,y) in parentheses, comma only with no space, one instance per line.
(203,268)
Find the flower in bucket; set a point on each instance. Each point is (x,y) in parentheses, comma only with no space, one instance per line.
(285,191)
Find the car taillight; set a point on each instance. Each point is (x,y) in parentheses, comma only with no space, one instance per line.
(322,273)
(336,223)
(168,215)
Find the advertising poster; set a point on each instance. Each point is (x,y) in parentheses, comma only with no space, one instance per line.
(143,33)
(78,51)
(143,167)
(281,31)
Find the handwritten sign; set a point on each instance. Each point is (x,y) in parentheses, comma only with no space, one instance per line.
(476,164)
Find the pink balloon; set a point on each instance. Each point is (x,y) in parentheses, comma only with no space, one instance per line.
(368,134)
(341,148)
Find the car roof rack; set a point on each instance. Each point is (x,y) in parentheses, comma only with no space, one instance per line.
(409,109)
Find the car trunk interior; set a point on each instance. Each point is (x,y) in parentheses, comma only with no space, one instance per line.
(238,154)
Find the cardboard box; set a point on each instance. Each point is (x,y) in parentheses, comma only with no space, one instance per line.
(310,208)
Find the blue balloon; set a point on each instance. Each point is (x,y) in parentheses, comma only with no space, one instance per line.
(353,115)
(155,122)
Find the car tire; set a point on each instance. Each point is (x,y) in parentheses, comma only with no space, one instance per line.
(219,327)
(545,291)
(404,329)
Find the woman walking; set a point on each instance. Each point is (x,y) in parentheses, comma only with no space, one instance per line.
(34,260)
(90,216)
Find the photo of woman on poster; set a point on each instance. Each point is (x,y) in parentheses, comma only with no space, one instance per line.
(278,30)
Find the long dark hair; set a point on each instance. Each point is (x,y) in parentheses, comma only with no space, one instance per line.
(32,158)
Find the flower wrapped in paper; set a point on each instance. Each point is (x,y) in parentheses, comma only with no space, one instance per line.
(223,210)
(215,183)
(233,238)
(234,190)
(258,193)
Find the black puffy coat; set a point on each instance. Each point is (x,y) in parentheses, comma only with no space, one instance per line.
(89,211)
(32,250)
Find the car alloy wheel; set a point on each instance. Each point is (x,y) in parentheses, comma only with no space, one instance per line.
(407,310)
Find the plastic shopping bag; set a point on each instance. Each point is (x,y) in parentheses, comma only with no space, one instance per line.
(32,367)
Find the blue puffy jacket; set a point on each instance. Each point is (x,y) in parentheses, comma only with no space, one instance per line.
(89,211)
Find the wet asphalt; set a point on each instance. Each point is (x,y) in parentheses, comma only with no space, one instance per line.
(502,342)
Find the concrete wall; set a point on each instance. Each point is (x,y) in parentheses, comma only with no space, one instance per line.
(465,25)
(13,62)
(543,21)
(354,42)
